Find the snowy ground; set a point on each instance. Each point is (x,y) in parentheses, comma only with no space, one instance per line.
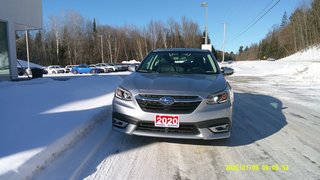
(41,118)
(297,75)
(60,128)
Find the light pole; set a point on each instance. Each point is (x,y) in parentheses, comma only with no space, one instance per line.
(27,48)
(101,44)
(224,40)
(205,5)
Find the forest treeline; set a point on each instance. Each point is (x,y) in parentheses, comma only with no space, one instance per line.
(296,32)
(72,39)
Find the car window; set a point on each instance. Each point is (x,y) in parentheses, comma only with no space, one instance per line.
(179,62)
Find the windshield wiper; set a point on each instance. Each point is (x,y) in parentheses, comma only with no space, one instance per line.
(195,72)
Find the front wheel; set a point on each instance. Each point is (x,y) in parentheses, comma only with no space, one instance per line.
(75,72)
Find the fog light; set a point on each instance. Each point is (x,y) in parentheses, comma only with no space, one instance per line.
(119,123)
(220,128)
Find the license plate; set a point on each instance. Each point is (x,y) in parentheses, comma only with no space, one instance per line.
(167,121)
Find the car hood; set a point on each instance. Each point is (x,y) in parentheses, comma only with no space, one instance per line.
(150,83)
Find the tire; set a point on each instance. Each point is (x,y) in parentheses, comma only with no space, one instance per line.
(36,73)
(21,72)
(93,71)
(75,72)
(54,72)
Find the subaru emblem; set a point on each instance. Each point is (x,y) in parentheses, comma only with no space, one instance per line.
(167,101)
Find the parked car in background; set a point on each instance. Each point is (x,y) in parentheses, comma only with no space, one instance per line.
(113,66)
(175,93)
(55,69)
(103,70)
(106,67)
(68,68)
(85,69)
(22,66)
(22,71)
(122,67)
(44,71)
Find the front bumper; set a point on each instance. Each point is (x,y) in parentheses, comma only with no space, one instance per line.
(127,117)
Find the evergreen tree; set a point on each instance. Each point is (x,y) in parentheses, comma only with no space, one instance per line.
(240,49)
(285,20)
(94,26)
(232,55)
(246,49)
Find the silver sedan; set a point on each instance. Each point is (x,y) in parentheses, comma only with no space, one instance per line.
(175,93)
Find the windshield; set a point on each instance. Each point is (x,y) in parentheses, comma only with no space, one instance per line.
(179,62)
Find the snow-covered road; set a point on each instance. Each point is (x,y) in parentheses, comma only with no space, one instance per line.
(276,129)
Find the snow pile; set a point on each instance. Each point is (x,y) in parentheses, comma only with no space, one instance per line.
(41,118)
(312,53)
(302,66)
(251,68)
(305,64)
(131,62)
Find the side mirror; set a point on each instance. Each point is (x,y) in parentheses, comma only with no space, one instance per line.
(227,71)
(132,68)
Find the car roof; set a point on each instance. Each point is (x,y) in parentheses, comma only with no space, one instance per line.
(180,50)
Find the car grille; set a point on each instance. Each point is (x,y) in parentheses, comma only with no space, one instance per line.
(182,104)
(175,97)
(183,129)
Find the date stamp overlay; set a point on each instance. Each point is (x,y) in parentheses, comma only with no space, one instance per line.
(257,167)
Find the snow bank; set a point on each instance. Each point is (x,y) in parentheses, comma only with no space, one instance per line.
(312,53)
(302,66)
(42,118)
(130,62)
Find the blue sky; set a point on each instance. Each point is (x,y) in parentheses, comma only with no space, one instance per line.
(236,13)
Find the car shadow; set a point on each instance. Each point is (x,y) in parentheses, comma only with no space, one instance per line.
(255,117)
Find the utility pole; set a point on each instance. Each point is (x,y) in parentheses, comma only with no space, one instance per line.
(101,46)
(27,46)
(205,5)
(224,40)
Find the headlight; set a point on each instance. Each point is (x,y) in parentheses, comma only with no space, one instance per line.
(123,94)
(218,98)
